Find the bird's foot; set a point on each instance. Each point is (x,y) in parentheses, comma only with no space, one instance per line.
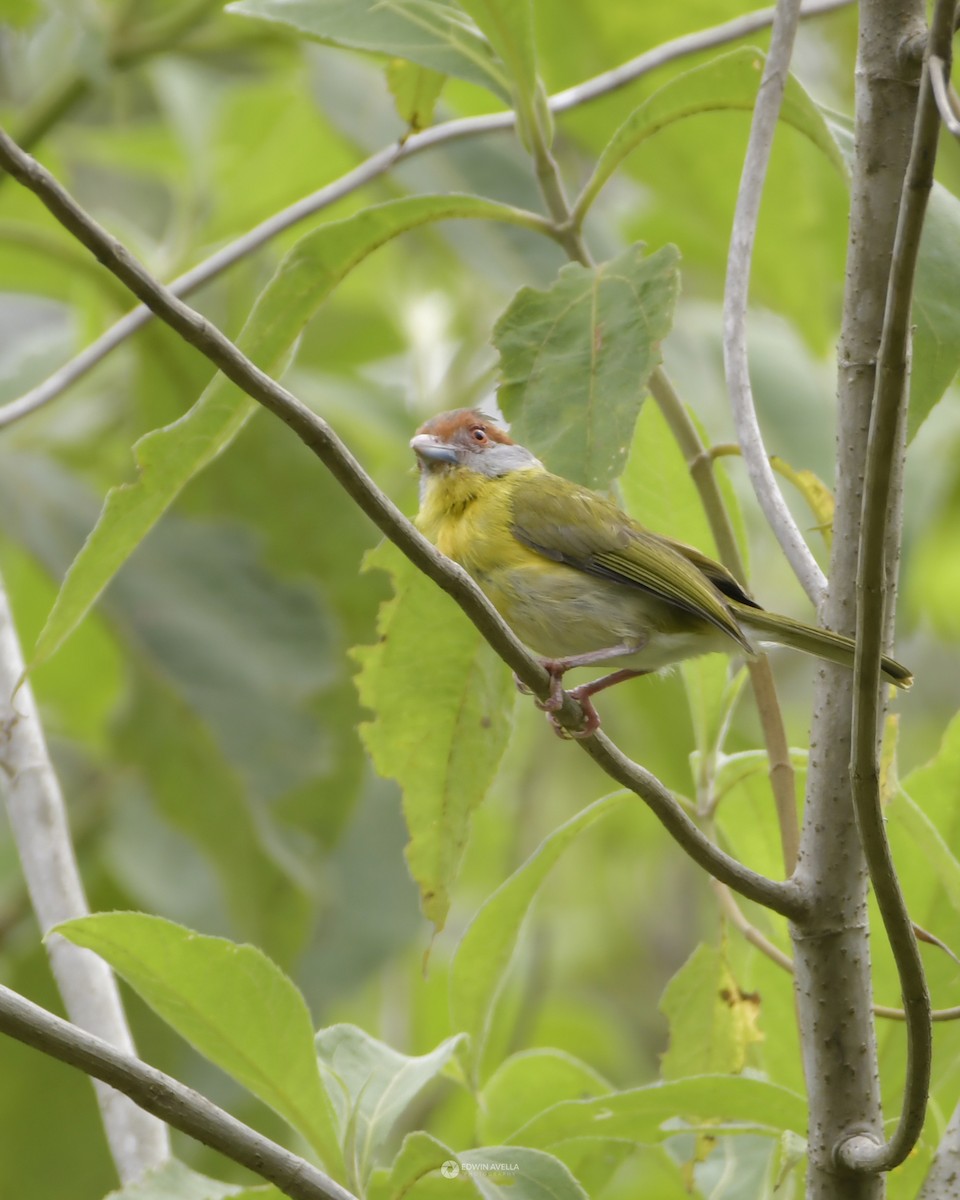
(591,718)
(554,702)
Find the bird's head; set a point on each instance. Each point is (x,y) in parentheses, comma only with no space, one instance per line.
(467,440)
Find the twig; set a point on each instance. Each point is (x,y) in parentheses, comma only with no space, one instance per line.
(167,1099)
(944,94)
(376,165)
(738,919)
(864,1153)
(316,434)
(700,464)
(736,295)
(41,832)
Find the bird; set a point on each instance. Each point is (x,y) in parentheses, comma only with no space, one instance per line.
(578,580)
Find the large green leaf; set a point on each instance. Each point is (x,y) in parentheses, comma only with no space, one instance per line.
(442,701)
(712,1023)
(574,360)
(432,33)
(371,1086)
(485,951)
(728,82)
(231,1003)
(168,458)
(641,1113)
(519,1173)
(527,1083)
(418,1171)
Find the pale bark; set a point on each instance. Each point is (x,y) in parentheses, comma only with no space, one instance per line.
(832,956)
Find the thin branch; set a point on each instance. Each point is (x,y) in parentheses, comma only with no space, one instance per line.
(317,435)
(945,96)
(700,464)
(784,898)
(376,165)
(38,821)
(890,396)
(736,295)
(166,1098)
(738,919)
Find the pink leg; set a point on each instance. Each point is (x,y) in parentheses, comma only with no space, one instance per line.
(582,694)
(558,667)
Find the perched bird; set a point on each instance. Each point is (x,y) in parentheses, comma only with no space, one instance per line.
(576,578)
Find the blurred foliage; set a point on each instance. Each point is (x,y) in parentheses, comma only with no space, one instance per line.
(222,770)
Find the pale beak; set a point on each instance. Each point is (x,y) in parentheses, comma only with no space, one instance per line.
(430,449)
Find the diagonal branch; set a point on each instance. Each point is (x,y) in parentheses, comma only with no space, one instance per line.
(372,168)
(736,294)
(317,435)
(166,1098)
(38,821)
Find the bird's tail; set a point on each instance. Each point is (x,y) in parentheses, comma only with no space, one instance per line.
(822,643)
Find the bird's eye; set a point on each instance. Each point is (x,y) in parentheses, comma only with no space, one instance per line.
(478,434)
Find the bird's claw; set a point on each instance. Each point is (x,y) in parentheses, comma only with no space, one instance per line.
(555,700)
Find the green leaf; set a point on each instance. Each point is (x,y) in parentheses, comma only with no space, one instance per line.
(727,82)
(925,809)
(574,360)
(484,953)
(936,307)
(529,1082)
(371,1086)
(442,700)
(639,1114)
(429,32)
(415,91)
(936,311)
(168,458)
(418,1162)
(508,27)
(231,1003)
(712,1023)
(519,1173)
(174,1181)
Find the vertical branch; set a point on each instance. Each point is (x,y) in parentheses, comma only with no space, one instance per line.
(880,500)
(736,294)
(38,819)
(833,985)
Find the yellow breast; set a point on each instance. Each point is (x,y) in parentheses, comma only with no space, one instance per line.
(468,518)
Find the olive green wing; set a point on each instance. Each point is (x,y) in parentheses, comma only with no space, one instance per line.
(718,574)
(573,525)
